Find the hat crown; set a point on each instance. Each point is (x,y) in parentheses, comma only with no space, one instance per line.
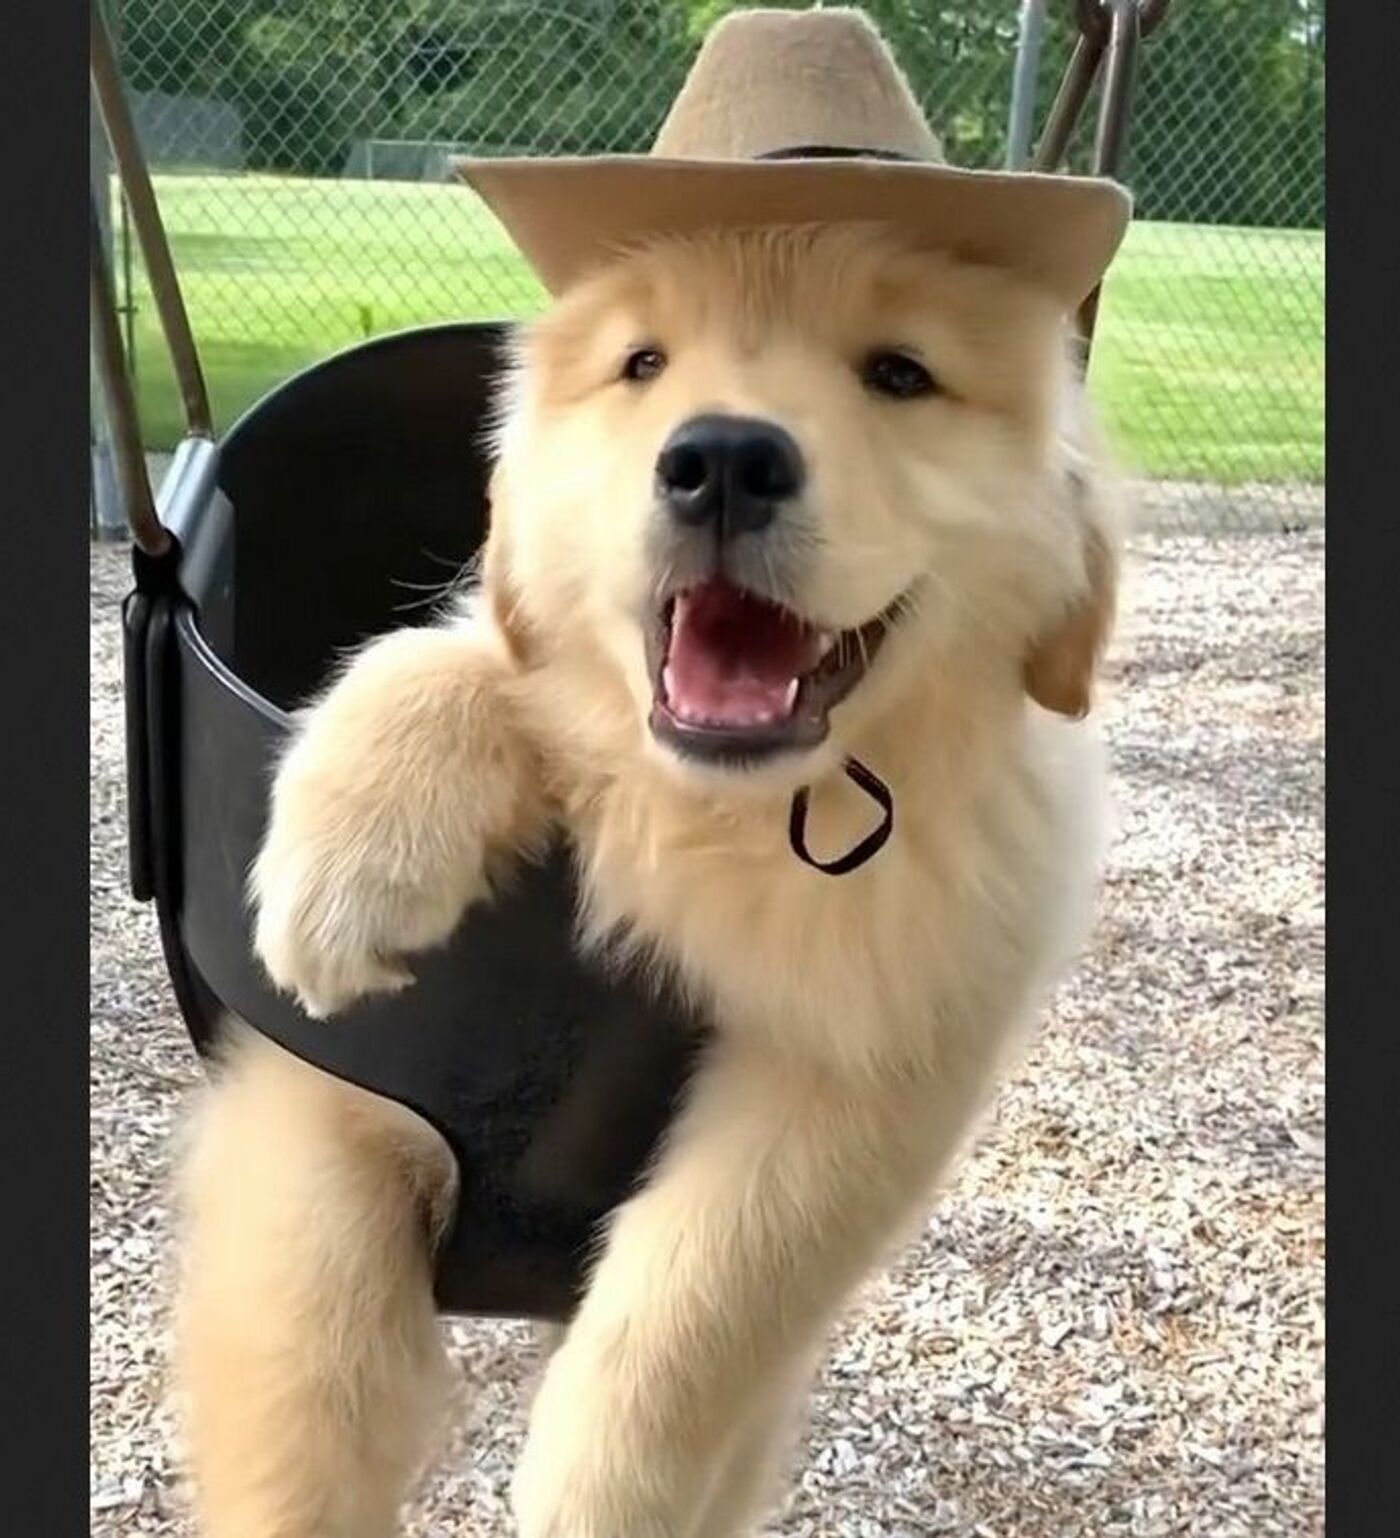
(768,81)
(787,118)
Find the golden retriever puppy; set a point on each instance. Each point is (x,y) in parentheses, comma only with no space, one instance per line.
(764,502)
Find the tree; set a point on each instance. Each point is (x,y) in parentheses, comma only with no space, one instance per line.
(1227,122)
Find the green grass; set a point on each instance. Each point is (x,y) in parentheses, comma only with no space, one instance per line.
(1208,363)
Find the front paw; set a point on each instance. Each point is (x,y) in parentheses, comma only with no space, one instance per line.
(550,1495)
(550,1491)
(593,1465)
(333,924)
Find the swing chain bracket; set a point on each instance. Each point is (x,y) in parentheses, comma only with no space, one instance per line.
(1109,32)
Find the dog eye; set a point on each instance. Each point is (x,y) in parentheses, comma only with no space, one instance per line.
(897,375)
(643,364)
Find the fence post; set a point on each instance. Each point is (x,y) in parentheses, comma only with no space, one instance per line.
(1023,81)
(107,519)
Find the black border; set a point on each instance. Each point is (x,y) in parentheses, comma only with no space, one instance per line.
(43,427)
(1363,1063)
(43,869)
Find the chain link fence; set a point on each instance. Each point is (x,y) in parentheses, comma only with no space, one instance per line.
(300,151)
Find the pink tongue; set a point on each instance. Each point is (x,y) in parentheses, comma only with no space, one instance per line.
(734,659)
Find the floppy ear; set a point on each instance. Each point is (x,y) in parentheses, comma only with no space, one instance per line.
(1059,670)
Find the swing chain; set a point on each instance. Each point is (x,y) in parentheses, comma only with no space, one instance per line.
(1109,34)
(148,533)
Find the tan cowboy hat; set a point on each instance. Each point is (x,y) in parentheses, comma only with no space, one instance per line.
(800,117)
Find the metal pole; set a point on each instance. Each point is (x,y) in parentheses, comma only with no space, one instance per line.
(126,302)
(126,308)
(108,518)
(1069,102)
(146,528)
(1111,132)
(1023,83)
(145,214)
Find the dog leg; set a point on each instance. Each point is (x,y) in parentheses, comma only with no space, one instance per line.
(775,1193)
(399,788)
(308,1344)
(751,1468)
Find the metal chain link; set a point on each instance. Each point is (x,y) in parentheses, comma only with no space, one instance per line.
(301,147)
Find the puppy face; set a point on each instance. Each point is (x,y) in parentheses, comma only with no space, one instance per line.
(765,482)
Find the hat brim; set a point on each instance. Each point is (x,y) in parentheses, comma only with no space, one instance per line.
(570,214)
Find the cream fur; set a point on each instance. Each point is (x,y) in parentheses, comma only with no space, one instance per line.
(860,1022)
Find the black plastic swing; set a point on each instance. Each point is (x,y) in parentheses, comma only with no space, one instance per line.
(333,500)
(296,537)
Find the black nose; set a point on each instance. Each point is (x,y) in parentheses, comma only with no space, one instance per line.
(733,472)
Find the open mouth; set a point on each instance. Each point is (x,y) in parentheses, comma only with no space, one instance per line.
(738,677)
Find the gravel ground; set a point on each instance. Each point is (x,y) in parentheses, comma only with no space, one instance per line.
(1113,1324)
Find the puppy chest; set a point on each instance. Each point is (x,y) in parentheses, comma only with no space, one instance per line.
(891,959)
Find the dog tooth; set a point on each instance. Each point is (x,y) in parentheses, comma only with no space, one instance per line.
(790,698)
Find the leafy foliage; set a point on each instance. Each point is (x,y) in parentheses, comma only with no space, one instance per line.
(1227,124)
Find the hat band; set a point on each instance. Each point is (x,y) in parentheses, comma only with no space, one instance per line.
(832,152)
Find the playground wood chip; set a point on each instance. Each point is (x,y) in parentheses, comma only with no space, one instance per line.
(1112,1324)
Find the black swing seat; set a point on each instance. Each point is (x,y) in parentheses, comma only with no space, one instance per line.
(320,521)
